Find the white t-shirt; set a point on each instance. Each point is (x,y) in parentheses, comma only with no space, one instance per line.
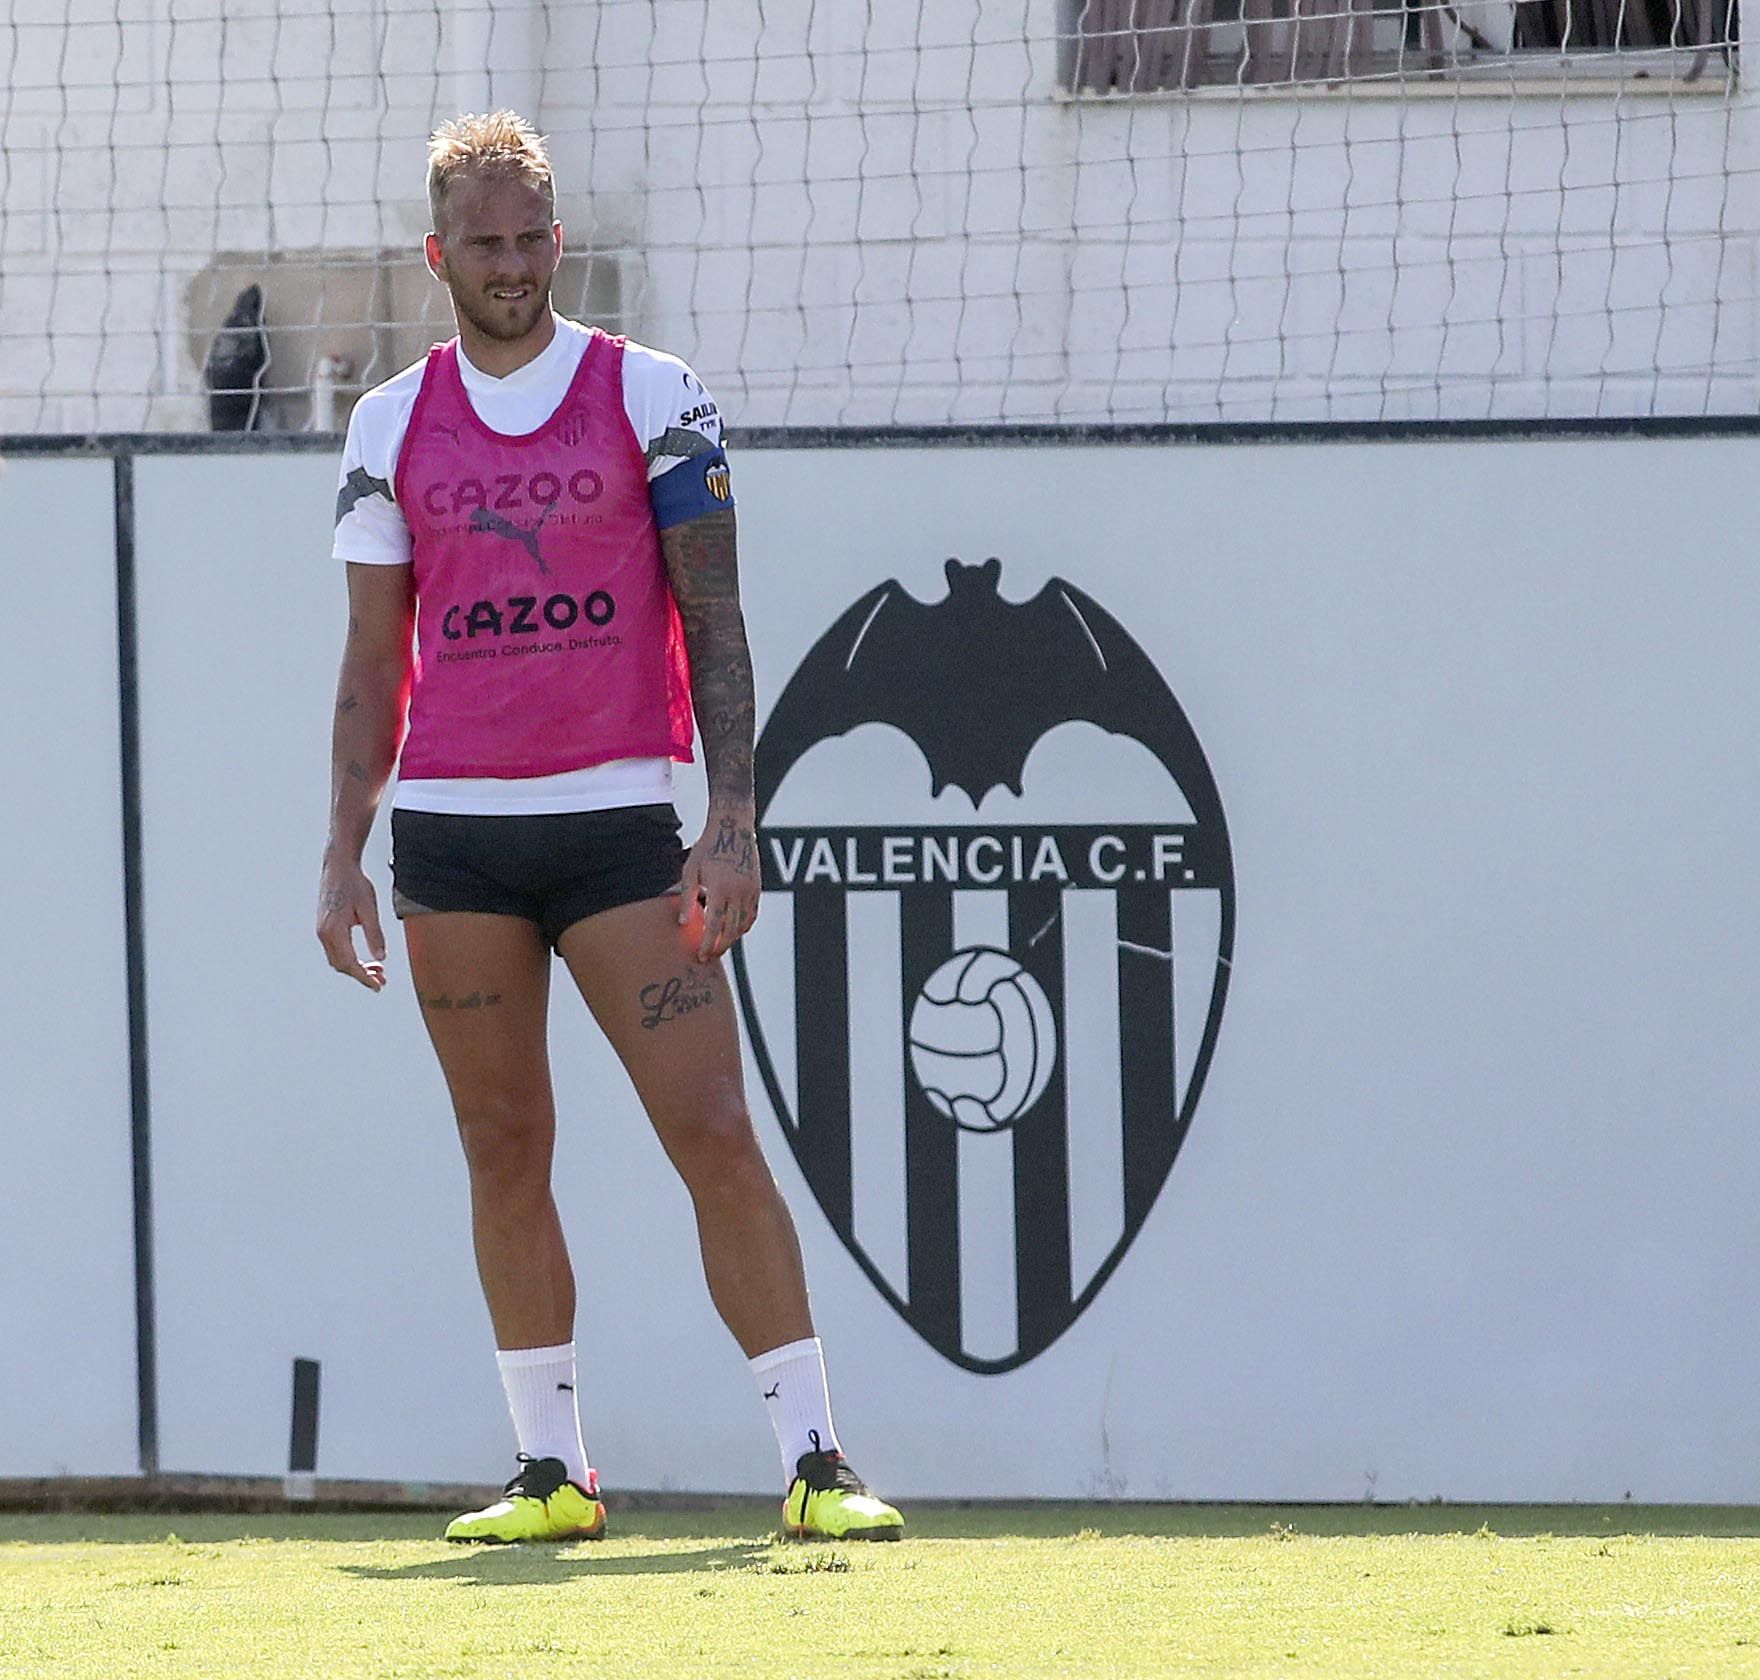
(662,398)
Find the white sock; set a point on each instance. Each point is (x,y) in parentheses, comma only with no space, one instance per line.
(792,1381)
(540,1395)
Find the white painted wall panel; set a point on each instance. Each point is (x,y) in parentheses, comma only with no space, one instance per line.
(1469,1196)
(1467,1205)
(67,1378)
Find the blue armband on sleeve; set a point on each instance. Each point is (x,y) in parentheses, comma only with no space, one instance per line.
(699,484)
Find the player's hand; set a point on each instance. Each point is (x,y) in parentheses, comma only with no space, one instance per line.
(722,874)
(346,900)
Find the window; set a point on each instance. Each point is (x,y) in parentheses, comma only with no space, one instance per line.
(1152,46)
(337,322)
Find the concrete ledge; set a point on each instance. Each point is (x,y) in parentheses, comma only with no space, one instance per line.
(255,1494)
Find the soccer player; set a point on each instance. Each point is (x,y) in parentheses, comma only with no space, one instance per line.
(545,512)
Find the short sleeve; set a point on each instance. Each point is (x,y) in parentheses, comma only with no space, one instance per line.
(678,425)
(370,527)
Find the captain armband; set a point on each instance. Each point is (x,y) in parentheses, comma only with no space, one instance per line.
(699,484)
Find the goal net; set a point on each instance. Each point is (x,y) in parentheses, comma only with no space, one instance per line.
(900,212)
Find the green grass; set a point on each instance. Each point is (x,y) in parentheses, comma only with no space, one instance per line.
(1107,1590)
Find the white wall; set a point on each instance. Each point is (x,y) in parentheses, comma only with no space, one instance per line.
(1467,1206)
(1468,1199)
(843,213)
(67,1351)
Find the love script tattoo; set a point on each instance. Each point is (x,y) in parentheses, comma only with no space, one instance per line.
(668,1000)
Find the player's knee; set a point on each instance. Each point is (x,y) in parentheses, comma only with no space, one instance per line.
(718,1148)
(505,1138)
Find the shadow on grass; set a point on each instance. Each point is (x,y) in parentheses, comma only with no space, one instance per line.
(511,1566)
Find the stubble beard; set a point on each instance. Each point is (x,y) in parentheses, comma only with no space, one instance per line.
(502,328)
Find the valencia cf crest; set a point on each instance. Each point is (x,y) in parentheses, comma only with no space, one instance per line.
(983,998)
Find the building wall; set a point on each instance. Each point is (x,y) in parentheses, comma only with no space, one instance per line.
(866,215)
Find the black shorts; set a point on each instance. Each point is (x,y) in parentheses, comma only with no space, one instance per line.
(554,870)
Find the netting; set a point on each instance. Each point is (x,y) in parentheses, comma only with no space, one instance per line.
(882,212)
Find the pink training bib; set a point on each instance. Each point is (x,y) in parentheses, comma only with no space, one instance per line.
(547,638)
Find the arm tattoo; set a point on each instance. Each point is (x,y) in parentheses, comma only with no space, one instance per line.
(704,570)
(736,845)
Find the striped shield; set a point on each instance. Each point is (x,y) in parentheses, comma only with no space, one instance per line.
(984,1040)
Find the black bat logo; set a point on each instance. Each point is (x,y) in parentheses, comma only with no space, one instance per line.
(975,681)
(484,519)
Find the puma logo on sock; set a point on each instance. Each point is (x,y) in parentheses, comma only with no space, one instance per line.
(567,1388)
(771,1393)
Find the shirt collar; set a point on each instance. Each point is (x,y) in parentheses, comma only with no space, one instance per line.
(538,371)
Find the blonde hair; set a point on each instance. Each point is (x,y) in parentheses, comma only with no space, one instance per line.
(498,141)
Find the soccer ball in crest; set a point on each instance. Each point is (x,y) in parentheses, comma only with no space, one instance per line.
(983,1040)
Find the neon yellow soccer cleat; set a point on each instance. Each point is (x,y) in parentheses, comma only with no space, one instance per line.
(828,1501)
(540,1503)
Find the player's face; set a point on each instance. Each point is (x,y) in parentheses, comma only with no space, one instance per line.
(497,254)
